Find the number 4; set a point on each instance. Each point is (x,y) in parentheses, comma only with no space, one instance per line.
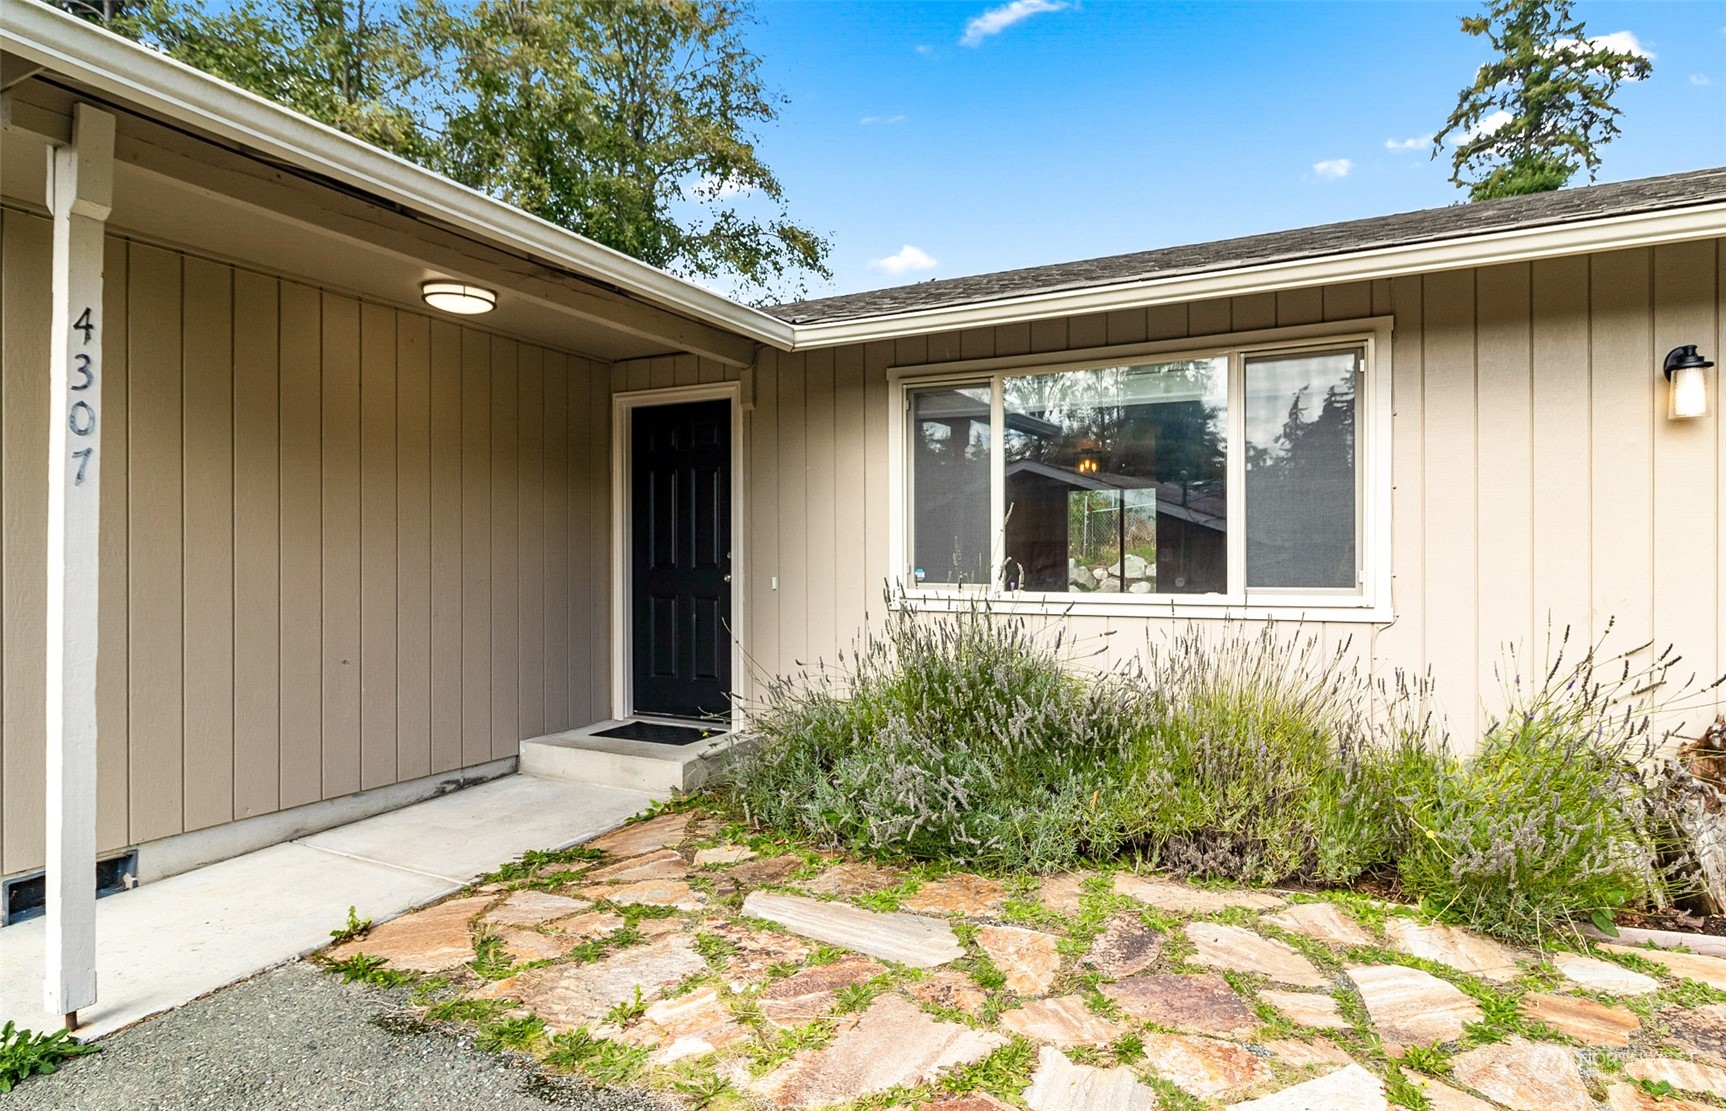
(85,324)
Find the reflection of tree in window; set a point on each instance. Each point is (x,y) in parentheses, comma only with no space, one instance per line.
(1300,493)
(1116,479)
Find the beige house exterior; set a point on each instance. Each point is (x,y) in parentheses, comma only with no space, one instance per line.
(353,549)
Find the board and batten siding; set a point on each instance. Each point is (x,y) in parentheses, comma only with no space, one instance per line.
(1537,481)
(343,544)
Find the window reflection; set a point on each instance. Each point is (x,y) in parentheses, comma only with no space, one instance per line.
(1116,479)
(950,485)
(1301,478)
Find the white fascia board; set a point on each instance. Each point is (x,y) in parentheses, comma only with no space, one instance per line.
(1611,233)
(128,71)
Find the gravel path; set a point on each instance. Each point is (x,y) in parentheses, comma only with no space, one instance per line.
(301,1039)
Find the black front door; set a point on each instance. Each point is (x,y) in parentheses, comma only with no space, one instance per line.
(680,529)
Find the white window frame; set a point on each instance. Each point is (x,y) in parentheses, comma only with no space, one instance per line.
(1370,603)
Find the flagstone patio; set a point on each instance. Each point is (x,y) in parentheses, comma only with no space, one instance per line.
(684,956)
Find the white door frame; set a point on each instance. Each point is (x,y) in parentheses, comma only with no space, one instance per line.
(622,608)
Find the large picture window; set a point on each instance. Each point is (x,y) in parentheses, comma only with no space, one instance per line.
(1226,477)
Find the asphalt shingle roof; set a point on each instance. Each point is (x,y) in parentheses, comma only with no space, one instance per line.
(1458,221)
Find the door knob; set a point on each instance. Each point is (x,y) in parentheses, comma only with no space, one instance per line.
(728,576)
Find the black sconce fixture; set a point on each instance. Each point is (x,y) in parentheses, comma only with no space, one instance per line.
(1687,375)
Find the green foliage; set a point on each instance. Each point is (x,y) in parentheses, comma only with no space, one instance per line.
(510,1033)
(1005,1073)
(627,1011)
(354,928)
(465,1010)
(528,864)
(366,969)
(490,960)
(601,1059)
(966,738)
(354,66)
(1257,757)
(631,122)
(25,1053)
(1549,821)
(1541,109)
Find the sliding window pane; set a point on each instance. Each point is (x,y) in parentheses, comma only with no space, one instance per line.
(1116,479)
(1301,488)
(950,485)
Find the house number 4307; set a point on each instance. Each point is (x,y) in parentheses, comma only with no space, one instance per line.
(81,414)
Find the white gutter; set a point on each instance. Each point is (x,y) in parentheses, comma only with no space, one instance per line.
(129,72)
(1612,233)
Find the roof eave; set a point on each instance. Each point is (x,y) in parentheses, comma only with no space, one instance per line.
(1610,233)
(129,72)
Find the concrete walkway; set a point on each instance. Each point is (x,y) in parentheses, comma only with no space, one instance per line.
(169,942)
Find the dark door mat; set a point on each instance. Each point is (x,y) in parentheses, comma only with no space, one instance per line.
(660,734)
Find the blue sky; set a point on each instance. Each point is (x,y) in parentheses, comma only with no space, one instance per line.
(1104,126)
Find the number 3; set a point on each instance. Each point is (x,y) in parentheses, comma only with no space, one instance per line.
(83,368)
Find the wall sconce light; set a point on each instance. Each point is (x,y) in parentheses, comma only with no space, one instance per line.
(1087,463)
(1686,371)
(459,297)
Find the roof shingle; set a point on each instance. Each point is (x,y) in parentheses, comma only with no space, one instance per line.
(1458,221)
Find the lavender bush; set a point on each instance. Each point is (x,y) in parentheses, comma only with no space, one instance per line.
(1552,818)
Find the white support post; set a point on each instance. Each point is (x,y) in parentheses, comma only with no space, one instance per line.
(80,194)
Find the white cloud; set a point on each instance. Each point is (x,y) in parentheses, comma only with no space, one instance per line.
(925,49)
(1625,42)
(708,188)
(908,259)
(996,20)
(1405,144)
(867,120)
(1489,123)
(1700,79)
(1332,169)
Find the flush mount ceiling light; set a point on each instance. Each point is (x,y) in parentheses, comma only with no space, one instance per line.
(459,297)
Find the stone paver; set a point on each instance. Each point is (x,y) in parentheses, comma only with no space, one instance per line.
(1206,1067)
(1307,1009)
(768,871)
(1350,1088)
(754,951)
(1322,922)
(571,995)
(1125,947)
(1411,1007)
(692,1025)
(1442,1097)
(1060,1085)
(1029,959)
(975,1101)
(807,995)
(1690,966)
(1240,950)
(1628,1097)
(960,894)
(1585,1020)
(1202,1003)
(1166,894)
(905,938)
(662,832)
(652,893)
(890,1044)
(435,939)
(951,990)
(666,864)
(595,923)
(1686,1076)
(1064,1022)
(1702,1030)
(1454,948)
(723,854)
(533,908)
(1298,1054)
(1524,1076)
(523,945)
(1598,975)
(1061,893)
(853,878)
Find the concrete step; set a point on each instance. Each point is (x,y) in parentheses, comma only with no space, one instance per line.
(581,756)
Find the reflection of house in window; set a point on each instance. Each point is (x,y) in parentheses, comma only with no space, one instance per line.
(1114,533)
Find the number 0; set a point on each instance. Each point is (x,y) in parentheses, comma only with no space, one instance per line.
(81,419)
